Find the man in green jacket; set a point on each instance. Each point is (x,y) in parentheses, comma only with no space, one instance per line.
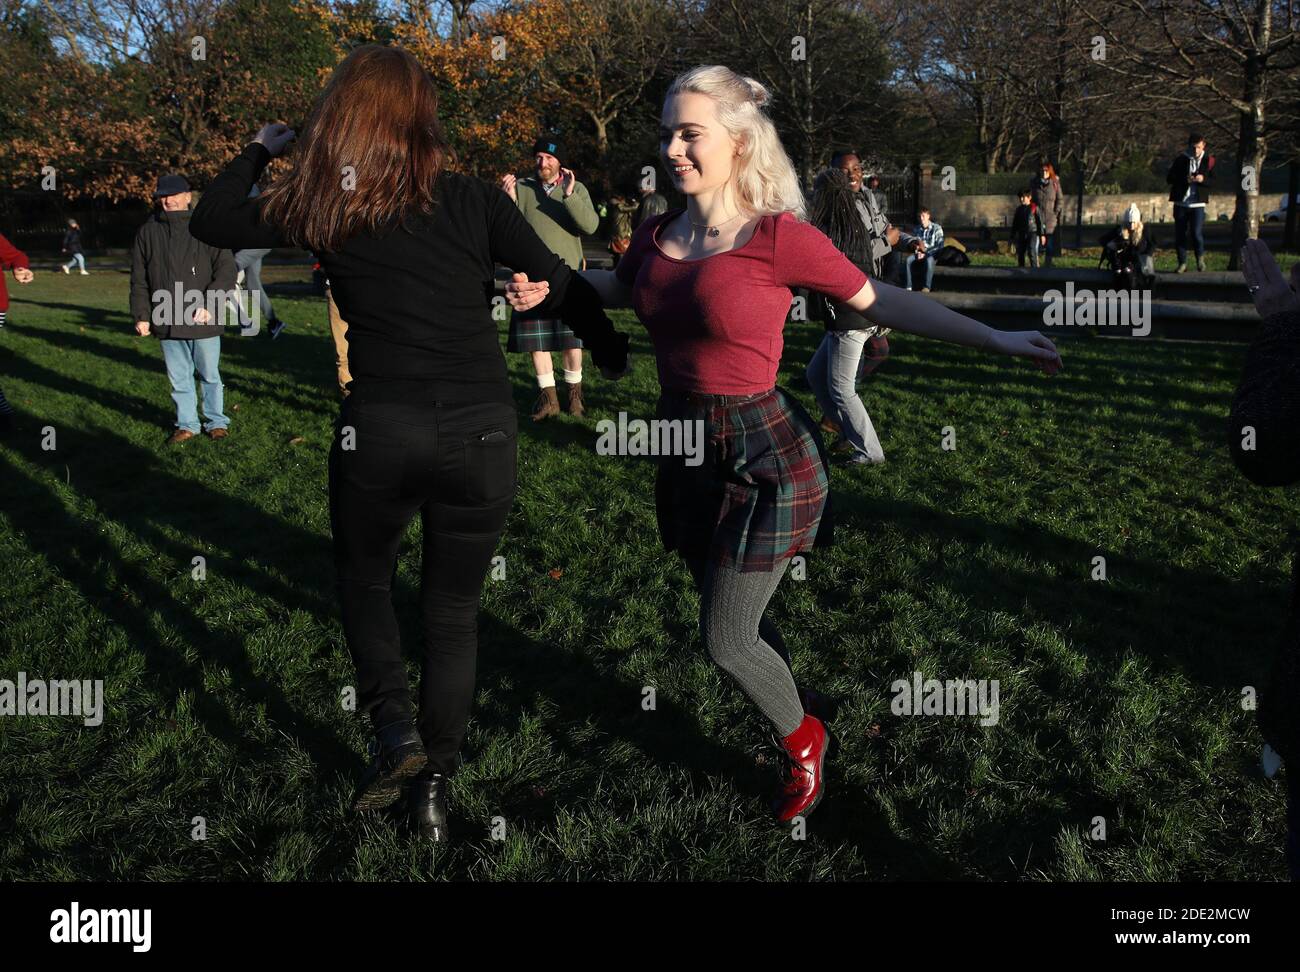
(558,207)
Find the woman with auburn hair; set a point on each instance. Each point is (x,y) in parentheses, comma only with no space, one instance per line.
(429,425)
(712,284)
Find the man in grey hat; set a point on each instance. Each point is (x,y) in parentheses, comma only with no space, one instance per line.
(179,291)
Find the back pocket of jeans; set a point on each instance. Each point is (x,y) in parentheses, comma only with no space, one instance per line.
(490,462)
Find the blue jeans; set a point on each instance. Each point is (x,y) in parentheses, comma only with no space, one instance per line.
(929,269)
(833,375)
(1189,219)
(183,359)
(250,261)
(79,259)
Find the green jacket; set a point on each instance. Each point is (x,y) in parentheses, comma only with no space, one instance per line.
(560,222)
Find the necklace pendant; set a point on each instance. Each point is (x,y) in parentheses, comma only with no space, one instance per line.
(713,231)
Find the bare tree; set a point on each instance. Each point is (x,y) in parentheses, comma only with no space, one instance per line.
(1228,63)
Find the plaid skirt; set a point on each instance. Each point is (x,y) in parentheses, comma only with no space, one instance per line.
(762,493)
(540,334)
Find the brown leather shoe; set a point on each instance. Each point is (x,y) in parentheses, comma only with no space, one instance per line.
(575,399)
(547,404)
(180,435)
(217,433)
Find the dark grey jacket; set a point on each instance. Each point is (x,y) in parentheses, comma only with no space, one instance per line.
(165,254)
(1050,201)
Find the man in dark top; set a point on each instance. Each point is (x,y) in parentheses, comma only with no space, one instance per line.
(179,290)
(1187,177)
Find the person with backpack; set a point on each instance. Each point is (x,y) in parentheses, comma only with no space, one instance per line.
(1187,177)
(841,213)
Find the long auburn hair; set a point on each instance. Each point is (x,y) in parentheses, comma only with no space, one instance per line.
(371,152)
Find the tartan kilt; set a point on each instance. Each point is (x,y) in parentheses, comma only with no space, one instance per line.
(540,334)
(762,493)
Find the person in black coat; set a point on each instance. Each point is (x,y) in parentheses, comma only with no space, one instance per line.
(1129,251)
(1188,176)
(72,248)
(1264,440)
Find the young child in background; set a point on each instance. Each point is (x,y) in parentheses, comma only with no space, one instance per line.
(1027,230)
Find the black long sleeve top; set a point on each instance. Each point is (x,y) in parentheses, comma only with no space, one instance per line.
(1268,401)
(417,296)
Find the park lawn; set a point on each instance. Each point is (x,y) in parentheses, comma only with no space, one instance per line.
(1119,699)
(1166,258)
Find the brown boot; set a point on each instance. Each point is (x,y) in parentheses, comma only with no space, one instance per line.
(575,399)
(547,404)
(180,435)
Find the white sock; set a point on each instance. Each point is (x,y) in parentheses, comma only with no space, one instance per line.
(572,377)
(547,380)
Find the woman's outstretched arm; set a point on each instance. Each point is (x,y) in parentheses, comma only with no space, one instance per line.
(913,313)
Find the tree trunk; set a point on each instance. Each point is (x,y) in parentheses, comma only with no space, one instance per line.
(1252,150)
(1292,190)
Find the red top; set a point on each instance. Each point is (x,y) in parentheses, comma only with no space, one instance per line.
(716,322)
(10,256)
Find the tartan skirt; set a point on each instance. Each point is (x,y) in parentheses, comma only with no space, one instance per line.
(540,334)
(762,493)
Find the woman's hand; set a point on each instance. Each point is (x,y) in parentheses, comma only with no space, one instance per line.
(524,294)
(276,137)
(22,275)
(1268,288)
(1027,344)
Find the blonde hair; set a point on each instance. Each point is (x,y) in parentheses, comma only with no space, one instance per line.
(765,178)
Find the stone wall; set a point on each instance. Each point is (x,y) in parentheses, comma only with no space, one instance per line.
(950,209)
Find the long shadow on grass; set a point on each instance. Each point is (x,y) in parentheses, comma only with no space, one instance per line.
(1218,631)
(128,595)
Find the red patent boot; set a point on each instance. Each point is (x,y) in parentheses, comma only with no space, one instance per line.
(805,752)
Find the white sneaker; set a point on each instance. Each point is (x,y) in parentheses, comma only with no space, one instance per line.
(85,273)
(66,270)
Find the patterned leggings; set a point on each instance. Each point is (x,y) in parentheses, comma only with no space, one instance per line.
(742,640)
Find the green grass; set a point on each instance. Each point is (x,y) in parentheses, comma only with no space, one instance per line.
(1119,699)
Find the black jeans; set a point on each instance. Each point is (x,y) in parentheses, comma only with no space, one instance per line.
(454,464)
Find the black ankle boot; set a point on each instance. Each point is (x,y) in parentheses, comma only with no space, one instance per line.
(429,806)
(397,754)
